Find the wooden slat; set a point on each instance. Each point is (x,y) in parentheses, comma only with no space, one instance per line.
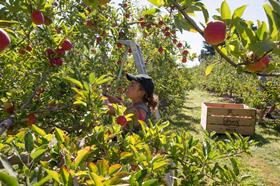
(244,130)
(231,112)
(237,121)
(224,105)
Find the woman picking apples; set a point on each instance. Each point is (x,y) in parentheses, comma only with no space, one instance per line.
(143,102)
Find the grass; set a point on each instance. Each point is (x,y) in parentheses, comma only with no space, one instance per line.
(263,166)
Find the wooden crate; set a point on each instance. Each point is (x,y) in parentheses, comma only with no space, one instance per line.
(222,117)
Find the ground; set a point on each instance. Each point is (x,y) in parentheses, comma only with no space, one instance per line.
(263,166)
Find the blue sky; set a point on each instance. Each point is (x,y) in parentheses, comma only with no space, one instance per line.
(254,12)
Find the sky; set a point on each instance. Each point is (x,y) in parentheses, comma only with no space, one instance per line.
(254,12)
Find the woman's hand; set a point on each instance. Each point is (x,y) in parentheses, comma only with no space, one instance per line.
(113,99)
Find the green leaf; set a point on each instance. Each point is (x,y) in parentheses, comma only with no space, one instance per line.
(183,24)
(225,11)
(239,11)
(235,166)
(272,25)
(103,167)
(150,11)
(262,30)
(102,79)
(43,181)
(38,152)
(209,69)
(205,13)
(38,130)
(157,2)
(66,177)
(82,155)
(79,102)
(93,167)
(125,155)
(91,77)
(7,166)
(59,135)
(114,168)
(55,176)
(261,47)
(152,182)
(275,5)
(28,141)
(74,81)
(7,179)
(97,180)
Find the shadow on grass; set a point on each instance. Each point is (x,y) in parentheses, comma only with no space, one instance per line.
(271,128)
(256,137)
(190,108)
(185,121)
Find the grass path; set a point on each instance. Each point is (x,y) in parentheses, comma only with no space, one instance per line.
(264,164)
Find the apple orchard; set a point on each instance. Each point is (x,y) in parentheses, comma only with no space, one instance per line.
(57,57)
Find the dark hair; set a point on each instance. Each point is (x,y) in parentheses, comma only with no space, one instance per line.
(151,99)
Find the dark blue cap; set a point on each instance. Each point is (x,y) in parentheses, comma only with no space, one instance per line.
(145,80)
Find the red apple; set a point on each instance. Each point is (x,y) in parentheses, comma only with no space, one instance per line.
(160,50)
(4,40)
(31,119)
(160,23)
(185,52)
(66,44)
(174,41)
(8,107)
(89,23)
(60,51)
(129,50)
(37,17)
(184,60)
(56,61)
(49,52)
(121,120)
(215,32)
(28,48)
(167,34)
(179,45)
(119,45)
(259,66)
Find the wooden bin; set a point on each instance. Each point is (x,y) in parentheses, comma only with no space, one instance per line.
(222,117)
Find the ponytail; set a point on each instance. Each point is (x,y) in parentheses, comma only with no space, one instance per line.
(152,101)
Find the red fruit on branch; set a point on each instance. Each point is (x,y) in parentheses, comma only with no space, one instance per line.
(179,45)
(160,23)
(260,65)
(119,45)
(89,23)
(56,61)
(60,51)
(66,44)
(185,52)
(37,17)
(121,120)
(167,34)
(129,50)
(174,41)
(160,50)
(215,32)
(184,60)
(8,107)
(31,118)
(4,40)
(28,48)
(49,52)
